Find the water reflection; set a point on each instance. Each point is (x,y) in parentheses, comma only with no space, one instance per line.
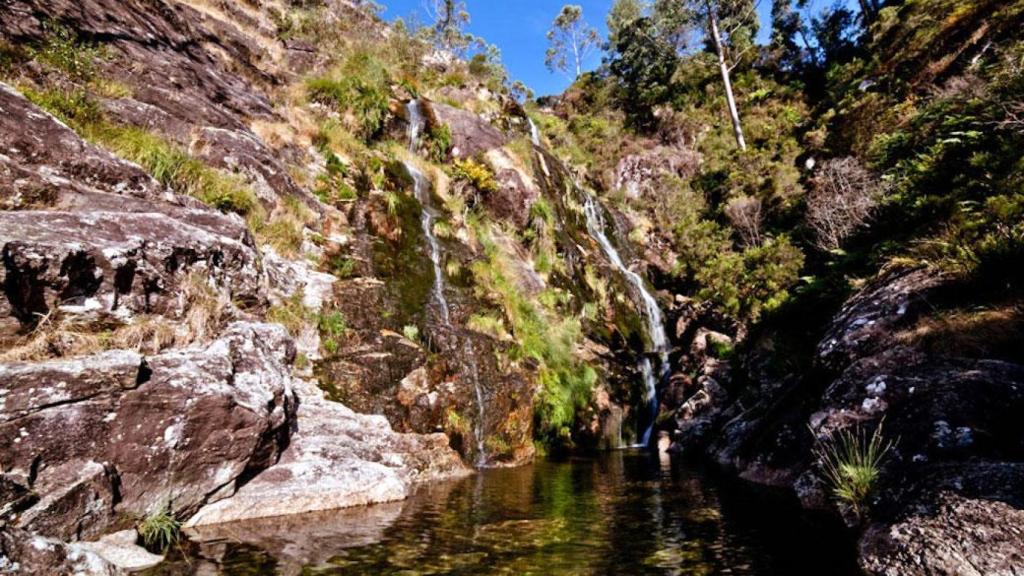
(624,513)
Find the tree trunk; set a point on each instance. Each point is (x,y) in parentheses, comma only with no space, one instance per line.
(737,128)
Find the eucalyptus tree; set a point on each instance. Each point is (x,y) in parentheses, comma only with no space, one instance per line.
(571,39)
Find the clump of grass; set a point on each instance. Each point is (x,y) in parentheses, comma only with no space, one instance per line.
(160,529)
(284,232)
(851,461)
(291,313)
(342,266)
(332,328)
(167,162)
(411,332)
(439,142)
(360,87)
(63,50)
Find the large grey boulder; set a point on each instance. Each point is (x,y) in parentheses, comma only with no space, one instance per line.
(337,459)
(180,429)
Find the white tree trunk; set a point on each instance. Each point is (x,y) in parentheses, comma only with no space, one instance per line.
(737,128)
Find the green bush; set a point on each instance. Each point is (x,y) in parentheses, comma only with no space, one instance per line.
(477,174)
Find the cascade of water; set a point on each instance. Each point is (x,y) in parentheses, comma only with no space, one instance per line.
(655,322)
(478,430)
(534,132)
(421,188)
(416,123)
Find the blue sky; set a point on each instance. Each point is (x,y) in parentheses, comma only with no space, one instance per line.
(519,28)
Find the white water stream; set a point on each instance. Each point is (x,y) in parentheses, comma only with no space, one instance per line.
(655,321)
(421,188)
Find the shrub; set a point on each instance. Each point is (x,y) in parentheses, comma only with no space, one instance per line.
(411,332)
(843,196)
(160,529)
(851,463)
(476,174)
(755,281)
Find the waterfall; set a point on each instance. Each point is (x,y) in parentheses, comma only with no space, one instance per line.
(416,123)
(534,133)
(478,430)
(655,322)
(421,188)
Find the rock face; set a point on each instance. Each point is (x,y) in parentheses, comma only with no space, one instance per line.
(95,437)
(948,498)
(471,134)
(180,428)
(336,459)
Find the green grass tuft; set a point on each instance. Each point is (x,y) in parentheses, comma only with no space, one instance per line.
(160,529)
(851,463)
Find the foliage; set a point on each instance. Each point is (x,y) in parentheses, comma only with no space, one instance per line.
(359,86)
(64,51)
(643,65)
(572,41)
(160,529)
(411,332)
(291,313)
(333,328)
(544,333)
(752,282)
(476,174)
(439,142)
(851,462)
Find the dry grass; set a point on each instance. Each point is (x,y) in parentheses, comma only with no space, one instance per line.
(61,336)
(989,333)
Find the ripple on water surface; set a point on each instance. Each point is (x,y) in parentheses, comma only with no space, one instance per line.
(623,513)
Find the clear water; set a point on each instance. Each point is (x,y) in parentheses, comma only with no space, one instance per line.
(623,513)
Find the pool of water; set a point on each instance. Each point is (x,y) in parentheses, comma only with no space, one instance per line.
(622,513)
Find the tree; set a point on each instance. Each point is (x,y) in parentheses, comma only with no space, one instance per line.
(785,49)
(622,14)
(572,40)
(643,65)
(450,19)
(719,42)
(675,22)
